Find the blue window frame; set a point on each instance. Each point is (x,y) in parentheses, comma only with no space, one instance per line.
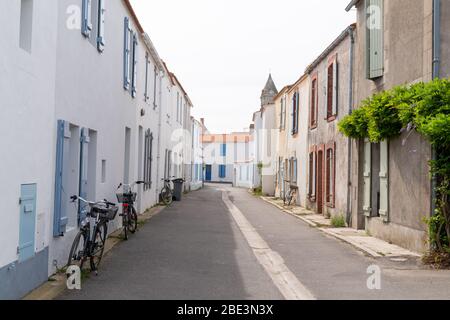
(222,171)
(223,150)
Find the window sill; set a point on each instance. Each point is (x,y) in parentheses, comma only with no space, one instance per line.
(313,127)
(331,118)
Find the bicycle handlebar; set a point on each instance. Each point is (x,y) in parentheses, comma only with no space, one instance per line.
(130,185)
(90,203)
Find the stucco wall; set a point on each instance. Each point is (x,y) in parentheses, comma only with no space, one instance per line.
(408,59)
(445,39)
(327,131)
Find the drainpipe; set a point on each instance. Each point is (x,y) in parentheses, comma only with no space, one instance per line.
(350,110)
(436,74)
(158,159)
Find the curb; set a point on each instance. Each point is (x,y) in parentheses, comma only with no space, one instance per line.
(328,232)
(57,283)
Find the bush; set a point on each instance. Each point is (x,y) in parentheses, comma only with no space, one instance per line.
(338,221)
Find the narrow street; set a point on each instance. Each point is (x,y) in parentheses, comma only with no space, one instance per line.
(195,249)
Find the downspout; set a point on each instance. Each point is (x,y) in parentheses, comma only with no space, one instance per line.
(436,74)
(350,110)
(158,159)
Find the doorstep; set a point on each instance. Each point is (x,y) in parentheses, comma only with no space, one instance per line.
(57,283)
(359,239)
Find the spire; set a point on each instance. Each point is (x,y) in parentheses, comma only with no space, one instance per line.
(269,92)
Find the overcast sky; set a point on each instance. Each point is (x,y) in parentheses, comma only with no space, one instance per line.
(223,50)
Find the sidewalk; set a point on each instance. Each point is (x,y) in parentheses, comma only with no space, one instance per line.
(57,283)
(374,247)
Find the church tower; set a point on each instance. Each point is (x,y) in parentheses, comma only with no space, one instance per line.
(269,92)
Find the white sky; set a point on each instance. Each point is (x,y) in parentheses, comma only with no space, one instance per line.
(223,50)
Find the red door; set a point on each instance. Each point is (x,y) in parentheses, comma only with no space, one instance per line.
(320,182)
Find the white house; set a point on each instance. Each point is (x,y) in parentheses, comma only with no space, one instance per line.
(225,154)
(198,128)
(96,108)
(27,87)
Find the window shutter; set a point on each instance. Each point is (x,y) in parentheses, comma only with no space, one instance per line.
(101,25)
(325,100)
(367,200)
(84,156)
(375,56)
(150,161)
(335,87)
(147,69)
(295,170)
(60,219)
(126,55)
(135,61)
(86,22)
(384,180)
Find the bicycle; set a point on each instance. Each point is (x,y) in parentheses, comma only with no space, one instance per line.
(291,195)
(90,241)
(167,192)
(129,214)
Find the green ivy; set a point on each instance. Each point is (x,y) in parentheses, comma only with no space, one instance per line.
(424,107)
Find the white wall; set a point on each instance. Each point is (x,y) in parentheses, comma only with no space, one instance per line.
(27,81)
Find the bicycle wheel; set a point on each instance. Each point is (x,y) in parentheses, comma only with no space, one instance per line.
(166,196)
(132,220)
(98,246)
(125,216)
(78,252)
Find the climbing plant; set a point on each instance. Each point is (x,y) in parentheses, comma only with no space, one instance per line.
(425,108)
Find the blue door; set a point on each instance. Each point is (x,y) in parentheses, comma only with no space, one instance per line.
(27,221)
(208,172)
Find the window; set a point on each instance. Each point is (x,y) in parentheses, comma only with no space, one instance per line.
(103,171)
(314,102)
(332,89)
(26,24)
(148,159)
(222,171)
(178,106)
(223,150)
(130,57)
(374,42)
(295,108)
(312,174)
(94,23)
(330,172)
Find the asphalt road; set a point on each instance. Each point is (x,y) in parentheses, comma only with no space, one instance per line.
(196,250)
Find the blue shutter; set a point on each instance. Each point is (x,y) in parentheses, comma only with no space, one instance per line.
(84,160)
(134,66)
(27,221)
(62,152)
(101,25)
(126,54)
(147,68)
(86,21)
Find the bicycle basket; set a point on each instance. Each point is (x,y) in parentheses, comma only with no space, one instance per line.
(107,213)
(126,197)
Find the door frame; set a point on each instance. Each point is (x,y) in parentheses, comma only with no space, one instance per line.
(320,179)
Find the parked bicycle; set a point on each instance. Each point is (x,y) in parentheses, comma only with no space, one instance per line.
(290,195)
(129,214)
(167,192)
(90,241)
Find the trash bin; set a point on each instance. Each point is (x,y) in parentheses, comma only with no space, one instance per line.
(177,189)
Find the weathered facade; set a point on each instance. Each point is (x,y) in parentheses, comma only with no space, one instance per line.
(328,150)
(391,187)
